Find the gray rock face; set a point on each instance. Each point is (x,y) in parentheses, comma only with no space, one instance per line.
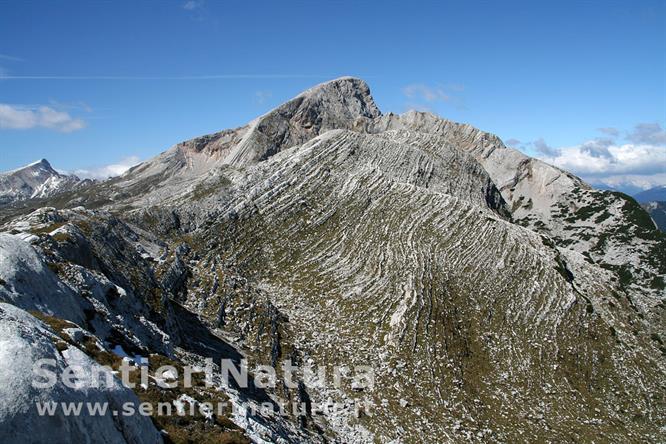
(82,277)
(339,104)
(37,180)
(28,282)
(609,228)
(175,277)
(520,178)
(25,340)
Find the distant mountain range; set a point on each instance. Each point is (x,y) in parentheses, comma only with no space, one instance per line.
(656,194)
(34,181)
(654,202)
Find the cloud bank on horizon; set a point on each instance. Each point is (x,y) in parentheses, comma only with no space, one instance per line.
(105,171)
(631,161)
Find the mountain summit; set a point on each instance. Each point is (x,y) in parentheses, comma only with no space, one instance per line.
(36,180)
(495,297)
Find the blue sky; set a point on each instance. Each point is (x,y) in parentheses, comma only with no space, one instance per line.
(96,83)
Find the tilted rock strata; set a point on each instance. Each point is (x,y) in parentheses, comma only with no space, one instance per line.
(498,298)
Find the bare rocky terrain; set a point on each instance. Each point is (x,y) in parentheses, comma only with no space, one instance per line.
(496,297)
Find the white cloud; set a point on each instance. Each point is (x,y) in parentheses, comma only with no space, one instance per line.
(631,181)
(192,5)
(10,58)
(430,94)
(19,117)
(651,133)
(615,159)
(260,97)
(637,160)
(609,131)
(422,97)
(106,171)
(542,147)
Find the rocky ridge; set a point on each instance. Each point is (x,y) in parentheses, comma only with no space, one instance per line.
(497,297)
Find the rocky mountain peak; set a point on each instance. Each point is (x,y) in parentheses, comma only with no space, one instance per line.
(39,165)
(343,103)
(42,163)
(346,95)
(37,179)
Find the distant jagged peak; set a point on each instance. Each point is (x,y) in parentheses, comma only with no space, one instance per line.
(41,164)
(35,180)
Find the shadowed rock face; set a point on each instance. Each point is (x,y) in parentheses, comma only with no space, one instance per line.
(657,210)
(496,297)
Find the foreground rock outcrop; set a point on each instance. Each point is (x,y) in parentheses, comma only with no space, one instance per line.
(25,340)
